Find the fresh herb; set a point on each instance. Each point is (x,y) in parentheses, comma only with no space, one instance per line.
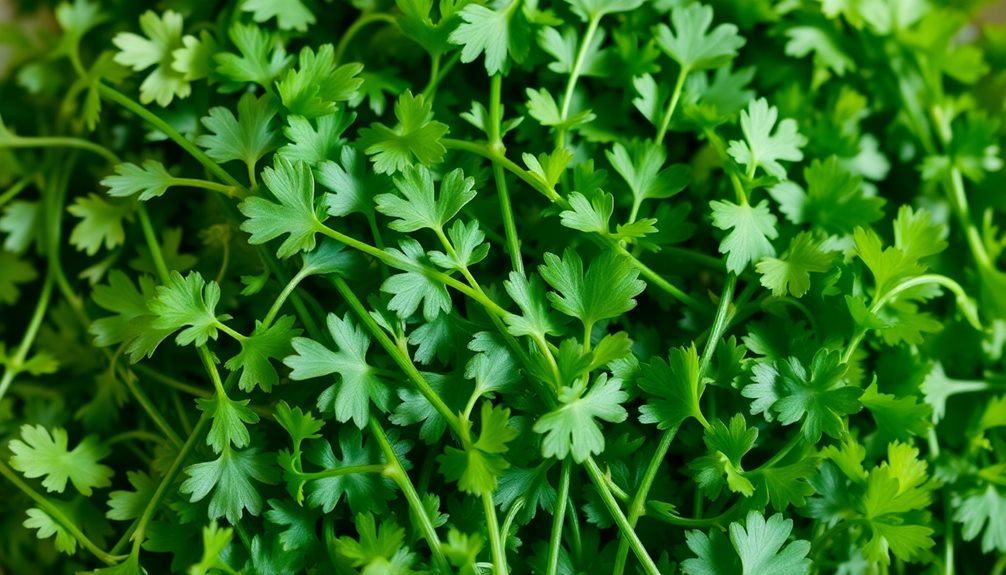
(581,286)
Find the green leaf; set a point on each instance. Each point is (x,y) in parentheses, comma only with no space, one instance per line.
(543,107)
(589,215)
(587,9)
(261,60)
(412,288)
(691,44)
(758,546)
(359,385)
(150,180)
(296,214)
(572,428)
(229,419)
(188,302)
(216,540)
(418,207)
(417,136)
(13,271)
(674,388)
(477,467)
(128,505)
(299,523)
(133,322)
(245,138)
(317,84)
(981,513)
(22,222)
(101,223)
(231,477)
(162,36)
(751,228)
(362,491)
(761,146)
(264,344)
(818,396)
(529,294)
(641,166)
(497,32)
(835,199)
(469,245)
(899,417)
(895,491)
(379,549)
(47,527)
(722,465)
(607,289)
(315,143)
(791,272)
(289,14)
(195,60)
(43,453)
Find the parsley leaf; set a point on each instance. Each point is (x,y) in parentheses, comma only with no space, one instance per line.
(606,290)
(359,385)
(419,208)
(188,302)
(573,428)
(296,213)
(497,32)
(691,44)
(417,135)
(757,546)
(751,228)
(43,453)
(245,138)
(231,477)
(763,148)
(675,386)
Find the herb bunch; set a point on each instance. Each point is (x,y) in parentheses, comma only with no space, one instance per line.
(583,286)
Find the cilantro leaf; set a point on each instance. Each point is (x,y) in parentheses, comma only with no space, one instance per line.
(497,32)
(763,148)
(572,428)
(296,213)
(606,290)
(418,207)
(43,453)
(675,388)
(691,44)
(751,228)
(188,302)
(245,138)
(359,385)
(758,546)
(417,135)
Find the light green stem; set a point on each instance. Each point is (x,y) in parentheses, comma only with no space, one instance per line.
(495,539)
(665,122)
(555,541)
(628,531)
(13,141)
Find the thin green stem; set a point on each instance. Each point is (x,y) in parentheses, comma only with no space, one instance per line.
(347,470)
(15,363)
(277,305)
(574,75)
(496,143)
(152,411)
(398,474)
(555,541)
(137,435)
(14,141)
(401,359)
(152,244)
(665,122)
(58,516)
(780,454)
(170,381)
(355,27)
(431,86)
(12,192)
(227,190)
(627,530)
(638,503)
(495,539)
(234,334)
(211,368)
(214,168)
(529,178)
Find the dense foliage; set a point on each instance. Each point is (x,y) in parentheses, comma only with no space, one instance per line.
(527,286)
